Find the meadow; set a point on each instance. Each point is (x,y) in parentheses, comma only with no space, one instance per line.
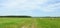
(29,22)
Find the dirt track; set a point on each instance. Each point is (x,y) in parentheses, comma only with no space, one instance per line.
(31,24)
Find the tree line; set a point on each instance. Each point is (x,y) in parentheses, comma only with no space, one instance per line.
(16,16)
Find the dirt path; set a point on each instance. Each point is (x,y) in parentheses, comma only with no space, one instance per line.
(26,24)
(34,25)
(31,24)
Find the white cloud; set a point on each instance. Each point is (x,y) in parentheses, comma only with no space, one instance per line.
(51,7)
(28,5)
(23,4)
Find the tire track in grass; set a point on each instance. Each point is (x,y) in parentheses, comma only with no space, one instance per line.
(33,25)
(25,24)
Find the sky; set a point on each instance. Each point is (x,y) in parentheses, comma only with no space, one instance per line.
(30,7)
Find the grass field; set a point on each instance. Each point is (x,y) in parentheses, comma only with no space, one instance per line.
(29,23)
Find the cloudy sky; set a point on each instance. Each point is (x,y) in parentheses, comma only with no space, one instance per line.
(30,7)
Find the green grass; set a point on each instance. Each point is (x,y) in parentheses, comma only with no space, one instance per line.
(29,22)
(47,23)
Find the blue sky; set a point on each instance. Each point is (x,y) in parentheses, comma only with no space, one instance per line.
(30,7)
